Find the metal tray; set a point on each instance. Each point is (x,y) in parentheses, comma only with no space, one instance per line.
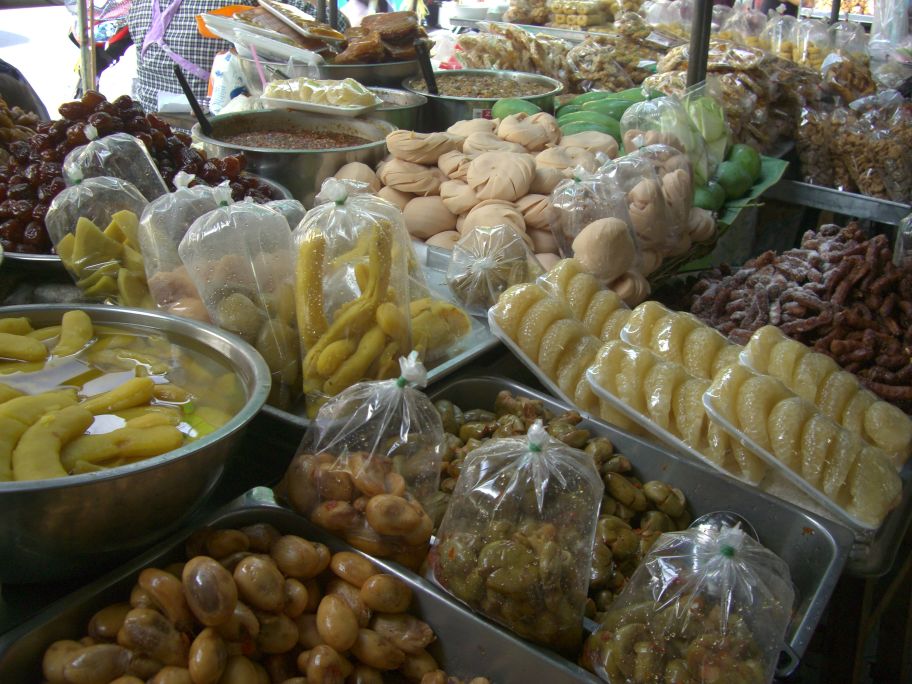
(466,645)
(434,262)
(815,549)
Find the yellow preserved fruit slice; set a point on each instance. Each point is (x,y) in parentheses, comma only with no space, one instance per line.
(557,280)
(642,319)
(811,373)
(719,446)
(607,365)
(785,425)
(756,398)
(513,304)
(669,334)
(536,321)
(613,326)
(753,469)
(727,356)
(889,428)
(854,414)
(659,386)
(700,349)
(631,379)
(835,394)
(784,359)
(583,396)
(725,390)
(817,439)
(580,292)
(603,304)
(689,415)
(572,367)
(559,338)
(760,346)
(845,450)
(874,486)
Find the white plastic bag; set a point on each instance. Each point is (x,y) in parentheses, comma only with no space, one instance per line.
(120,155)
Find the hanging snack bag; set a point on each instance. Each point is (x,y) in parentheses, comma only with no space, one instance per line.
(672,167)
(352,288)
(850,39)
(744,26)
(812,43)
(516,540)
(291,209)
(369,459)
(705,606)
(781,31)
(239,257)
(163,224)
(94,227)
(120,155)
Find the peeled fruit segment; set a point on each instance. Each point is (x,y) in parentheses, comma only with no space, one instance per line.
(785,424)
(784,359)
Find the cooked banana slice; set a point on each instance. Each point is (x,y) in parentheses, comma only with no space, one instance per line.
(811,373)
(612,328)
(785,426)
(537,320)
(761,345)
(756,398)
(835,394)
(574,363)
(668,336)
(874,486)
(580,292)
(725,390)
(689,415)
(700,349)
(513,304)
(603,304)
(642,319)
(559,337)
(854,414)
(557,280)
(817,439)
(753,469)
(659,386)
(630,381)
(784,359)
(845,450)
(729,355)
(889,428)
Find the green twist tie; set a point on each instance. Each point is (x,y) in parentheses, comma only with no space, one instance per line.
(727,551)
(535,448)
(401,382)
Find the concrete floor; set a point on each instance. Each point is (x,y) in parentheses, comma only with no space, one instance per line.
(34,40)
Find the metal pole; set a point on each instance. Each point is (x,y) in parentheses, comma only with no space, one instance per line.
(321,11)
(834,13)
(334,14)
(699,41)
(85,12)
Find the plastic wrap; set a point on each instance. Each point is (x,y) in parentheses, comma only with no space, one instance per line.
(890,27)
(656,226)
(812,43)
(781,30)
(352,287)
(744,26)
(813,142)
(162,226)
(595,67)
(850,39)
(704,606)
(239,257)
(674,172)
(368,460)
(93,226)
(120,155)
(846,78)
(516,540)
(486,262)
(703,104)
(345,93)
(534,12)
(840,149)
(291,209)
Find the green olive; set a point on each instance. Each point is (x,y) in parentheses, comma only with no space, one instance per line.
(656,521)
(509,426)
(479,416)
(450,415)
(601,449)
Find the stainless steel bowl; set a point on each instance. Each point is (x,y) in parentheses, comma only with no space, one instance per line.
(443,110)
(385,74)
(70,526)
(400,107)
(301,171)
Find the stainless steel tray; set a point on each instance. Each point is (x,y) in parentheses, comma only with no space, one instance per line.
(815,549)
(480,340)
(466,645)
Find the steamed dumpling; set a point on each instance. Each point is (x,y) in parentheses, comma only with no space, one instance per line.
(447,239)
(605,248)
(501,175)
(427,216)
(361,173)
(454,164)
(549,123)
(457,196)
(545,180)
(421,148)
(479,143)
(631,287)
(395,197)
(537,212)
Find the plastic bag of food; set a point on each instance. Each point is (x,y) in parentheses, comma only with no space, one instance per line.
(902,247)
(352,286)
(291,209)
(744,26)
(703,103)
(239,257)
(656,227)
(850,38)
(486,262)
(366,463)
(162,226)
(94,226)
(846,78)
(120,155)
(890,27)
(840,120)
(781,32)
(706,605)
(720,14)
(594,66)
(812,43)
(516,540)
(812,140)
(672,167)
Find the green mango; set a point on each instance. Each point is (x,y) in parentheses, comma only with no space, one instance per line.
(586,117)
(580,127)
(568,109)
(710,196)
(589,97)
(513,105)
(747,158)
(613,108)
(734,179)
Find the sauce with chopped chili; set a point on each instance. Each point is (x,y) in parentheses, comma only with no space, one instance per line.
(483,86)
(295,140)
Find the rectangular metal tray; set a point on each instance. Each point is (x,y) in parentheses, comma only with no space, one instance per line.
(466,645)
(815,549)
(434,262)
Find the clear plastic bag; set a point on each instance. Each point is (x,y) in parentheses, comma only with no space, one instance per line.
(94,226)
(345,93)
(655,226)
(120,155)
(902,248)
(516,541)
(812,43)
(705,606)
(593,64)
(239,258)
(850,38)
(673,170)
(486,262)
(291,209)
(162,226)
(744,26)
(352,286)
(703,103)
(720,14)
(890,27)
(366,463)
(781,30)
(813,142)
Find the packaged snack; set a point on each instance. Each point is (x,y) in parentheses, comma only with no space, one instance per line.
(120,155)
(656,227)
(162,226)
(781,31)
(93,226)
(291,209)
(850,39)
(813,142)
(368,460)
(345,93)
(703,103)
(744,26)
(812,43)
(239,257)
(705,606)
(672,167)
(352,286)
(486,262)
(846,78)
(516,541)
(595,67)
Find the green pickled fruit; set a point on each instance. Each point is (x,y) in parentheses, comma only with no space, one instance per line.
(710,196)
(513,105)
(734,179)
(586,117)
(747,158)
(631,94)
(580,127)
(590,97)
(613,108)
(568,109)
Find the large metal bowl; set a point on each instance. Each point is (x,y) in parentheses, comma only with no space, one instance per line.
(443,110)
(385,74)
(71,526)
(301,171)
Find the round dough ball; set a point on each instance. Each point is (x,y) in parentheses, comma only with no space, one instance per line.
(631,287)
(605,248)
(582,158)
(421,148)
(427,216)
(458,197)
(454,164)
(409,177)
(549,123)
(678,193)
(650,260)
(554,158)
(518,128)
(545,180)
(493,213)
(543,241)
(701,224)
(470,126)
(548,261)
(395,197)
(501,175)
(479,143)
(537,213)
(361,173)
(593,141)
(446,240)
(648,215)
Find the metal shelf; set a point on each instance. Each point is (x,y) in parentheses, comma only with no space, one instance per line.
(571,35)
(845,203)
(825,14)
